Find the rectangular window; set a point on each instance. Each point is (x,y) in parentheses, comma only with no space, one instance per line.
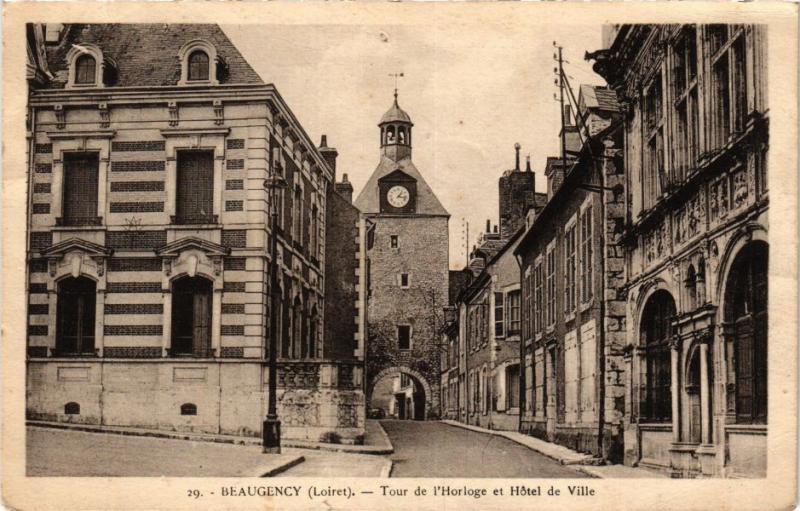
(570,268)
(551,285)
(538,297)
(654,178)
(394,241)
(404,280)
(79,197)
(512,386)
(404,337)
(297,213)
(587,252)
(194,201)
(527,282)
(513,312)
(684,75)
(499,323)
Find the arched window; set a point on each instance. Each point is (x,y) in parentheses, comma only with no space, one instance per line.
(72,408)
(656,332)
(191,316)
(297,328)
(691,289)
(75,316)
(310,349)
(85,70)
(198,66)
(401,135)
(188,409)
(746,312)
(390,135)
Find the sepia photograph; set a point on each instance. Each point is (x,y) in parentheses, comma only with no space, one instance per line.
(393,249)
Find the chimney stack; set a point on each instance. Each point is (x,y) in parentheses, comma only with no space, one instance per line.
(517,148)
(329,154)
(345,189)
(528,163)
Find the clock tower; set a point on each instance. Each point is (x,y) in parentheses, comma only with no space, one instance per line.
(408,277)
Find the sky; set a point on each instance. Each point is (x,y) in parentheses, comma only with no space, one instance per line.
(472,92)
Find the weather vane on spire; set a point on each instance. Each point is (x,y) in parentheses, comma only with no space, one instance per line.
(396,76)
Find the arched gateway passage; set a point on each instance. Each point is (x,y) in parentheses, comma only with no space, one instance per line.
(401,393)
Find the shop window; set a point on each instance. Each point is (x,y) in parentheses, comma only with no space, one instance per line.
(75,319)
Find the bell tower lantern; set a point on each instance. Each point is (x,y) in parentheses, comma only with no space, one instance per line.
(395,128)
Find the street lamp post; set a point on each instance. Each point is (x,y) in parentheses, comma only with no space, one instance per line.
(271,430)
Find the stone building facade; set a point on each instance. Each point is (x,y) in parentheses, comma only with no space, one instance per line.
(695,244)
(149,240)
(408,266)
(482,335)
(572,279)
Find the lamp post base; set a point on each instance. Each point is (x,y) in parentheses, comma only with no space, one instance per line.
(271,436)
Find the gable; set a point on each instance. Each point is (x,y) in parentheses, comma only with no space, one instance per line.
(368,200)
(398,176)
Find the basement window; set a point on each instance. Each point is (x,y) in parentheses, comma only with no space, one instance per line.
(72,408)
(188,409)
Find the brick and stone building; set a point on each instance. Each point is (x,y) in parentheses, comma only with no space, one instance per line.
(482,334)
(408,267)
(149,241)
(573,322)
(695,241)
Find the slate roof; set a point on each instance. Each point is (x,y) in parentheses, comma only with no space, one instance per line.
(599,97)
(395,113)
(368,200)
(146,55)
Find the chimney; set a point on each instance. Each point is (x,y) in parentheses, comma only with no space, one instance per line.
(329,154)
(555,176)
(345,189)
(528,163)
(488,225)
(517,148)
(52,33)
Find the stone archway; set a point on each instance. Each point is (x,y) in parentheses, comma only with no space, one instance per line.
(419,379)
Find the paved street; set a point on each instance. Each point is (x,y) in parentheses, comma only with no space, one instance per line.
(433,449)
(337,464)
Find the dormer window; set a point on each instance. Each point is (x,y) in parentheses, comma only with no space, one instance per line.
(86,66)
(200,64)
(85,70)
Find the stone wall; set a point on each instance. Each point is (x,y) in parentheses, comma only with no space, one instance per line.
(422,254)
(317,401)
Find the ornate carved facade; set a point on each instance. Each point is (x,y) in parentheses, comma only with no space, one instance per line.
(696,139)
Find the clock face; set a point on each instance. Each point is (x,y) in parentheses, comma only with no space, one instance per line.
(398,196)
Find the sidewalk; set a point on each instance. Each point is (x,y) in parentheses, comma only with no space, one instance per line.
(584,462)
(69,453)
(375,442)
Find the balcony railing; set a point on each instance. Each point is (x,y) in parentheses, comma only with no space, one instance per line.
(193,219)
(74,221)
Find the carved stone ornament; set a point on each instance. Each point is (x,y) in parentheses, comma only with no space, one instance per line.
(104,115)
(61,120)
(219,112)
(675,342)
(173,113)
(52,266)
(167,262)
(704,336)
(100,262)
(217,262)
